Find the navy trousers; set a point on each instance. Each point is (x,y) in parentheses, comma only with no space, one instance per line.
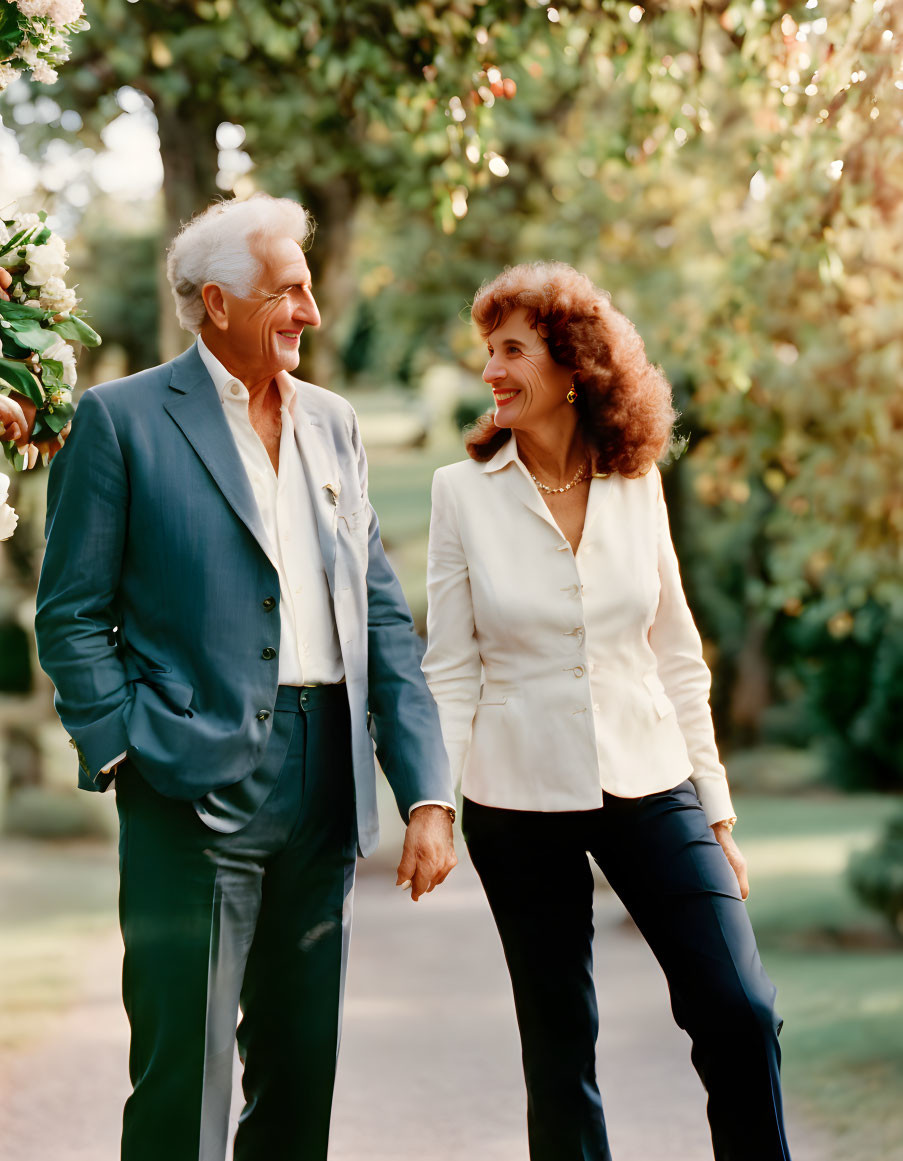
(667,868)
(255,912)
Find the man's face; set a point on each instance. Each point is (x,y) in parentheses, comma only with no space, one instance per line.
(264,327)
(528,386)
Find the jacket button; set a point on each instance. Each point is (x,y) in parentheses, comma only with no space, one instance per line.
(269,604)
(268,654)
(262,715)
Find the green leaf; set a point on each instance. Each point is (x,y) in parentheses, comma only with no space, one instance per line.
(51,373)
(29,333)
(11,35)
(76,330)
(50,423)
(12,311)
(17,377)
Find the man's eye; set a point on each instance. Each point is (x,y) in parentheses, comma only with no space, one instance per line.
(514,350)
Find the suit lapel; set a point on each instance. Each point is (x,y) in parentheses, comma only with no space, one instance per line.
(196,408)
(321,472)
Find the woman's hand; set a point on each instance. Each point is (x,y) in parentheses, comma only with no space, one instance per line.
(12,417)
(5,280)
(733,855)
(44,447)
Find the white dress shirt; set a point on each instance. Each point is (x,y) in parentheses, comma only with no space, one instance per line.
(560,675)
(309,652)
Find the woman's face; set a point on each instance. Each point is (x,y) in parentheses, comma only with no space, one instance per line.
(528,386)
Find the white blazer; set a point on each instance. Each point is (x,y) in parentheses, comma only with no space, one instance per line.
(560,676)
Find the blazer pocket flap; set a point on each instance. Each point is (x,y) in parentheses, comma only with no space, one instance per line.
(177,694)
(661,701)
(492,699)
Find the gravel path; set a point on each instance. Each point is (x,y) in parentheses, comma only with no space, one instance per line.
(430,1067)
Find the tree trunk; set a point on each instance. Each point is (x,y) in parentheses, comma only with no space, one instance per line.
(334,209)
(190,162)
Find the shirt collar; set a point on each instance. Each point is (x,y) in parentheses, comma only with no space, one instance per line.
(507,454)
(223,380)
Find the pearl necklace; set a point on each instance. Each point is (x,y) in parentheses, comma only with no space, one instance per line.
(582,473)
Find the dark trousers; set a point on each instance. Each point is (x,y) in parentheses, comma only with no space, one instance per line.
(669,871)
(257,915)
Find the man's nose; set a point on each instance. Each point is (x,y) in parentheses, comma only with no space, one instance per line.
(307,311)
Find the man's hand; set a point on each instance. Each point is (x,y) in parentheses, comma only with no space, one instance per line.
(734,856)
(5,280)
(429,850)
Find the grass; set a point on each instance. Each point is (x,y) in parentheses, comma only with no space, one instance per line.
(838,970)
(400,485)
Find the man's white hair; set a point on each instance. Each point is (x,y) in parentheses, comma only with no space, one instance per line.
(217,246)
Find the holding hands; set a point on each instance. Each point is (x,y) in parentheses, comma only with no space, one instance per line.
(429,850)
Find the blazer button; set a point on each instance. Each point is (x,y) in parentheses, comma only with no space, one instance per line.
(268,654)
(269,604)
(262,715)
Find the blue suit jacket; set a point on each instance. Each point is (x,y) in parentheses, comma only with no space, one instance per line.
(158,607)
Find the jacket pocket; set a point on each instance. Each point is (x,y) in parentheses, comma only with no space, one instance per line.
(661,701)
(176,694)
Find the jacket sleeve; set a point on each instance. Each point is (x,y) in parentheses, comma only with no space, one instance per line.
(405,720)
(452,664)
(75,620)
(677,646)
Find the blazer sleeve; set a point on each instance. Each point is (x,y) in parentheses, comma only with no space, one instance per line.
(677,646)
(405,722)
(75,620)
(452,664)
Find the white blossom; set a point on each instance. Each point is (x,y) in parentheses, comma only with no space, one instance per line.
(46,261)
(8,517)
(32,8)
(28,51)
(66,11)
(43,73)
(25,222)
(56,296)
(62,351)
(7,74)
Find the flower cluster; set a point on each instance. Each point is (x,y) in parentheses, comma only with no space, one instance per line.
(34,34)
(8,517)
(38,324)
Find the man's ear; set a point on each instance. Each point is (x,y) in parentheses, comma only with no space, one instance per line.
(215,302)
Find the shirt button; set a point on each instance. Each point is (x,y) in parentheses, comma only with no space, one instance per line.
(578,671)
(268,654)
(269,604)
(262,715)
(595,709)
(235,389)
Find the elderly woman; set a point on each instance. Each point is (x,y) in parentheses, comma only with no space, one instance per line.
(574,700)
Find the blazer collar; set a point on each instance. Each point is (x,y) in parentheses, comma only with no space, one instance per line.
(321,470)
(196,408)
(506,455)
(518,478)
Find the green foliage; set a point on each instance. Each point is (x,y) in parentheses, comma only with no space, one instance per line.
(731,172)
(468,411)
(876,875)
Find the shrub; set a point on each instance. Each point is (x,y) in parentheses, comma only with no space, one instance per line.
(876,875)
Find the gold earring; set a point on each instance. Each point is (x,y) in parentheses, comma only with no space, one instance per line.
(572,395)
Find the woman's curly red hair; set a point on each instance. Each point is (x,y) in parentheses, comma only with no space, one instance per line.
(624,403)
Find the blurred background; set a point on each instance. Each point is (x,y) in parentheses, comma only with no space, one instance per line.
(732,172)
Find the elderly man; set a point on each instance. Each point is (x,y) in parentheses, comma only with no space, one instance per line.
(224,632)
